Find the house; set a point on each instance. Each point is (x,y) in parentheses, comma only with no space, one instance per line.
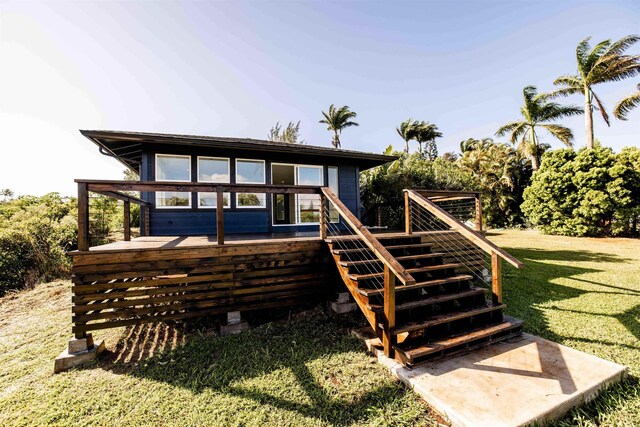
(288,235)
(183,158)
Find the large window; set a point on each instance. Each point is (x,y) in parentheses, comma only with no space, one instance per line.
(250,172)
(309,204)
(213,169)
(173,168)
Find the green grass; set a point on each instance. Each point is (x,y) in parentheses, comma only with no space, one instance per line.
(308,371)
(583,293)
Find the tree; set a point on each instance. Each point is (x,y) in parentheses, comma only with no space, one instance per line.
(427,133)
(502,174)
(537,113)
(407,131)
(592,192)
(603,63)
(338,119)
(627,104)
(6,193)
(290,134)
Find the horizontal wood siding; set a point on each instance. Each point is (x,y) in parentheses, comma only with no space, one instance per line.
(348,188)
(119,288)
(203,221)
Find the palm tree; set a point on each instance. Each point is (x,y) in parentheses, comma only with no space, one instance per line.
(537,113)
(407,131)
(427,133)
(338,119)
(605,62)
(627,104)
(6,193)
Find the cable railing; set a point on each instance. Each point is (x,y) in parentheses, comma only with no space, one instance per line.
(481,258)
(382,267)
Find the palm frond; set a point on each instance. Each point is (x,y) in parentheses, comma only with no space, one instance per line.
(562,133)
(626,105)
(600,105)
(623,44)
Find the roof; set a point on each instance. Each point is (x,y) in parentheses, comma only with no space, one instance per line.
(127,147)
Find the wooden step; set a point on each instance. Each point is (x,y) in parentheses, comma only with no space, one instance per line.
(426,269)
(379,236)
(446,318)
(407,246)
(436,282)
(466,340)
(431,300)
(400,258)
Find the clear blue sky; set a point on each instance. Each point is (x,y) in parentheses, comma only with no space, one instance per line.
(235,68)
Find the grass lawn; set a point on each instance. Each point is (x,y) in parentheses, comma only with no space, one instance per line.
(308,371)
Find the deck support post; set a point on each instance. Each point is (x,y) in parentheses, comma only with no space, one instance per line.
(83,217)
(408,228)
(144,220)
(478,220)
(323,212)
(496,278)
(220,215)
(127,221)
(389,312)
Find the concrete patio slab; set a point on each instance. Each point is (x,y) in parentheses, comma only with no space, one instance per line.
(520,382)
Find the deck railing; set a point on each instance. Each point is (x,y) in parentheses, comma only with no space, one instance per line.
(423,214)
(116,189)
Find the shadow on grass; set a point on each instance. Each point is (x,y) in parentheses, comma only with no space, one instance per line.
(300,347)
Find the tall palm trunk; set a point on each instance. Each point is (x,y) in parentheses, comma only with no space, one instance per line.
(588,118)
(336,140)
(535,161)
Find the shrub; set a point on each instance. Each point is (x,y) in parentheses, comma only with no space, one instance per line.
(593,192)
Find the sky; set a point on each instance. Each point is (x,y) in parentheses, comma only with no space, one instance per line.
(236,68)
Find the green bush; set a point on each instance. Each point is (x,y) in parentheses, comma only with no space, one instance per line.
(592,192)
(35,233)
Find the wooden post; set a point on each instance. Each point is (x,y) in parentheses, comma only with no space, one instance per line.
(379,216)
(144,220)
(323,212)
(478,212)
(389,312)
(83,217)
(220,215)
(127,221)
(496,278)
(407,214)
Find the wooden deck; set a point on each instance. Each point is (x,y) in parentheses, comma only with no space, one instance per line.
(171,242)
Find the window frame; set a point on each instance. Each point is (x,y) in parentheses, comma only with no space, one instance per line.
(264,181)
(227,182)
(158,193)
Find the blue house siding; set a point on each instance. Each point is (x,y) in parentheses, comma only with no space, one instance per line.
(195,221)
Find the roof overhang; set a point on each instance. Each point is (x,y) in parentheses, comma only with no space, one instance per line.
(128,147)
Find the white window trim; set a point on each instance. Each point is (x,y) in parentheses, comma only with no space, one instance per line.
(157,193)
(264,180)
(295,177)
(227,182)
(337,168)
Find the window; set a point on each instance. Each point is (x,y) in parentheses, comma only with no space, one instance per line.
(173,168)
(332,176)
(250,172)
(213,169)
(309,204)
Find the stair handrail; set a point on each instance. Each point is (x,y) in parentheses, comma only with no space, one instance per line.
(369,239)
(475,237)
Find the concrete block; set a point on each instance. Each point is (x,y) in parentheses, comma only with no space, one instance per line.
(234,317)
(343,308)
(68,360)
(343,297)
(80,345)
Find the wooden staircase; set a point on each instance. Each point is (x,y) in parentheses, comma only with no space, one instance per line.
(441,314)
(417,301)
